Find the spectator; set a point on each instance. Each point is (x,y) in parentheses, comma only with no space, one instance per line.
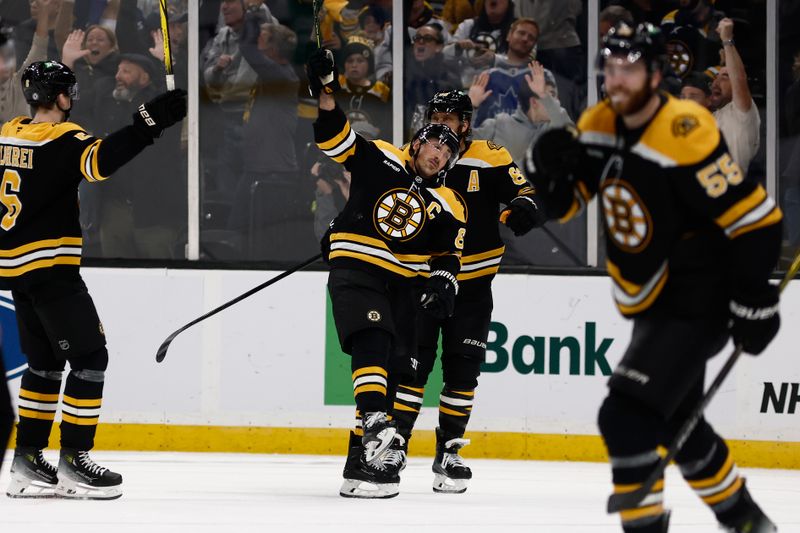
(143,214)
(272,206)
(229,82)
(610,16)
(691,36)
(12,100)
(476,40)
(363,100)
(538,109)
(732,103)
(420,14)
(427,72)
(372,22)
(57,29)
(697,86)
(455,12)
(652,11)
(94,58)
(510,71)
(339,20)
(558,46)
(333,190)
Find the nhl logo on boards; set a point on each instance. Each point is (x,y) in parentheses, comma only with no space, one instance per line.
(399,214)
(373,316)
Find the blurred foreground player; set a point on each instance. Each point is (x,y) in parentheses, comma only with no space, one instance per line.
(690,248)
(43,160)
(398,221)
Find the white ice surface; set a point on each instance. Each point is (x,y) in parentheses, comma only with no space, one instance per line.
(242,493)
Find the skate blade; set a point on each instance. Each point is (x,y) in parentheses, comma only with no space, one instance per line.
(375,448)
(354,488)
(30,488)
(447,485)
(80,491)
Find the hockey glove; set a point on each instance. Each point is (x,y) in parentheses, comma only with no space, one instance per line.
(522,215)
(550,166)
(755,319)
(321,73)
(161,112)
(438,297)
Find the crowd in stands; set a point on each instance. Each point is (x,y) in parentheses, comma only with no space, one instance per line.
(266,192)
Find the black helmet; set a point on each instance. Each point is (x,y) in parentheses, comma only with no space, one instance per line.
(644,42)
(457,102)
(43,81)
(443,134)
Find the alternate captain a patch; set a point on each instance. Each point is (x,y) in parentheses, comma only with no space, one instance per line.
(399,214)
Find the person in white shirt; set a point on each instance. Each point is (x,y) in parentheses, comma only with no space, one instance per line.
(732,103)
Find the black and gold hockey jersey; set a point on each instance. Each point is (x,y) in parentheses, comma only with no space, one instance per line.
(392,223)
(484,177)
(683,227)
(42,165)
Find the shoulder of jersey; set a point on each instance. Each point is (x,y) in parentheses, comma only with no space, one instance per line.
(391,151)
(682,133)
(450,202)
(485,154)
(36,132)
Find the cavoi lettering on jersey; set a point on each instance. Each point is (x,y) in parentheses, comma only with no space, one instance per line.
(534,354)
(784,398)
(16,156)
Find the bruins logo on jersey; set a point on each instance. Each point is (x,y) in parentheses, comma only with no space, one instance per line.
(627,219)
(399,214)
(683,125)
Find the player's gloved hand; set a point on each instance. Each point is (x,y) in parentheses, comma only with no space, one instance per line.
(438,297)
(321,73)
(550,166)
(755,319)
(161,112)
(522,215)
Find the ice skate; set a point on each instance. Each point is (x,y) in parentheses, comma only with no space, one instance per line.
(32,476)
(752,520)
(379,478)
(378,434)
(451,475)
(81,478)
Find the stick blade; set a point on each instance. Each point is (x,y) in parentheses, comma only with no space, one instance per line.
(162,350)
(624,500)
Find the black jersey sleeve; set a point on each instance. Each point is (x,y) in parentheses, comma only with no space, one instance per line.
(716,189)
(96,158)
(337,140)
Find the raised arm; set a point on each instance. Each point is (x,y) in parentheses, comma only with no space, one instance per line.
(740,90)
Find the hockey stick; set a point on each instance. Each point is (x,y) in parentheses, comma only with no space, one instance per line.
(628,500)
(569,253)
(316,6)
(162,350)
(167,54)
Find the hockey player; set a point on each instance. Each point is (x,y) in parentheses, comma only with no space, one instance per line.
(398,221)
(485,177)
(690,248)
(43,160)
(6,411)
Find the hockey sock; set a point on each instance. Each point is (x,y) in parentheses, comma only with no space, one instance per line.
(38,402)
(80,411)
(631,432)
(455,406)
(407,403)
(370,349)
(716,480)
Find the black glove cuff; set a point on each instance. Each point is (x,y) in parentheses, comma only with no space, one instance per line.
(446,275)
(746,312)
